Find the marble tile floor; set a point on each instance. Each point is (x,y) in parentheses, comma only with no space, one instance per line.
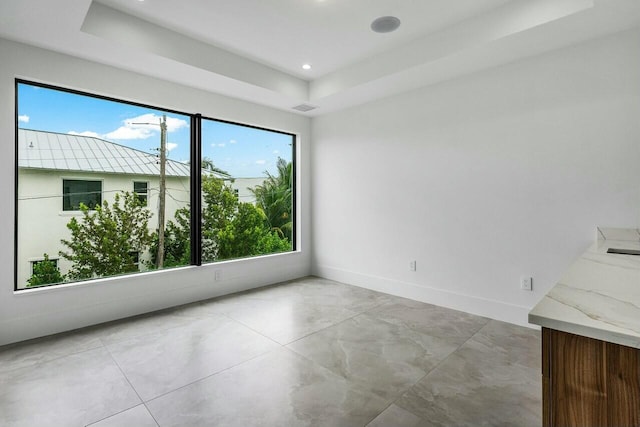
(310,352)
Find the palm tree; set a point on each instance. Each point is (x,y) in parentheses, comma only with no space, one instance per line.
(207,164)
(275,198)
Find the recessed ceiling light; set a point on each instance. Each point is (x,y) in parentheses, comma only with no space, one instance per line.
(385,24)
(306,67)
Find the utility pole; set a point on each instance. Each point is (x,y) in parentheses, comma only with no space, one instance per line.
(163,189)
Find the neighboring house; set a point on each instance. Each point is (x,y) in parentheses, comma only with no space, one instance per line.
(241,187)
(56,172)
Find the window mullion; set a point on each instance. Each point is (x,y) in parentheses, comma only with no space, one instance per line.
(196,190)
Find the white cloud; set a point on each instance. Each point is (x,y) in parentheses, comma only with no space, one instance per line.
(152,121)
(221,145)
(233,141)
(276,151)
(261,162)
(144,126)
(23,118)
(127,132)
(85,133)
(171,146)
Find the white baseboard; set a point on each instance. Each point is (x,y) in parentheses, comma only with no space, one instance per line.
(485,307)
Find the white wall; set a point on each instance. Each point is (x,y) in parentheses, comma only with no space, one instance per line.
(38,312)
(242,185)
(482,179)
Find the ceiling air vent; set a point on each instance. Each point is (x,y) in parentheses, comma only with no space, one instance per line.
(304,107)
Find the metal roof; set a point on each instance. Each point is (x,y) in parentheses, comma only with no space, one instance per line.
(59,151)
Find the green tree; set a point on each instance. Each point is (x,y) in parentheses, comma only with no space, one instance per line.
(275,198)
(107,241)
(207,164)
(230,228)
(45,272)
(219,206)
(248,234)
(177,238)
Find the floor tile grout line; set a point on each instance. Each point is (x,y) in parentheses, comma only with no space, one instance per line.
(380,413)
(151,414)
(130,385)
(436,366)
(489,320)
(330,326)
(112,415)
(44,362)
(142,402)
(251,329)
(154,331)
(199,379)
(367,312)
(124,374)
(207,376)
(229,315)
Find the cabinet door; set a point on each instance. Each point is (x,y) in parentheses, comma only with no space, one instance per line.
(623,385)
(588,382)
(578,380)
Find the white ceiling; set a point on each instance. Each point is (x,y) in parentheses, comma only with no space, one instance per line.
(285,34)
(254,49)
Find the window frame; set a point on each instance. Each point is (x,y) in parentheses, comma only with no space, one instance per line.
(195,194)
(33,262)
(141,194)
(65,196)
(294,192)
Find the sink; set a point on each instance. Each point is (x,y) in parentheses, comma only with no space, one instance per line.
(623,251)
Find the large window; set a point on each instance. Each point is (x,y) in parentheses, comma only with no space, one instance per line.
(247,191)
(94,178)
(141,188)
(76,192)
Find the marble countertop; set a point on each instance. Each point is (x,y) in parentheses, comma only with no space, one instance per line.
(599,294)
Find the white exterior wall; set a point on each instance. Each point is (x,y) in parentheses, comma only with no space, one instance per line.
(243,185)
(36,312)
(483,179)
(43,222)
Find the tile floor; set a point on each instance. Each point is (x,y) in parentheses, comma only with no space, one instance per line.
(310,352)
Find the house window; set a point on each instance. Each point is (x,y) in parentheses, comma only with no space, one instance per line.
(198,218)
(141,190)
(35,264)
(44,272)
(76,192)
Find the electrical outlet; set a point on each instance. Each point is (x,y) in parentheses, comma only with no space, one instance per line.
(412,265)
(526,283)
(217,275)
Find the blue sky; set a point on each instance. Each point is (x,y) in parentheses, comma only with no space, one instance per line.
(242,151)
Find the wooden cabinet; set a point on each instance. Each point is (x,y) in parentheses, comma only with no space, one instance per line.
(588,382)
